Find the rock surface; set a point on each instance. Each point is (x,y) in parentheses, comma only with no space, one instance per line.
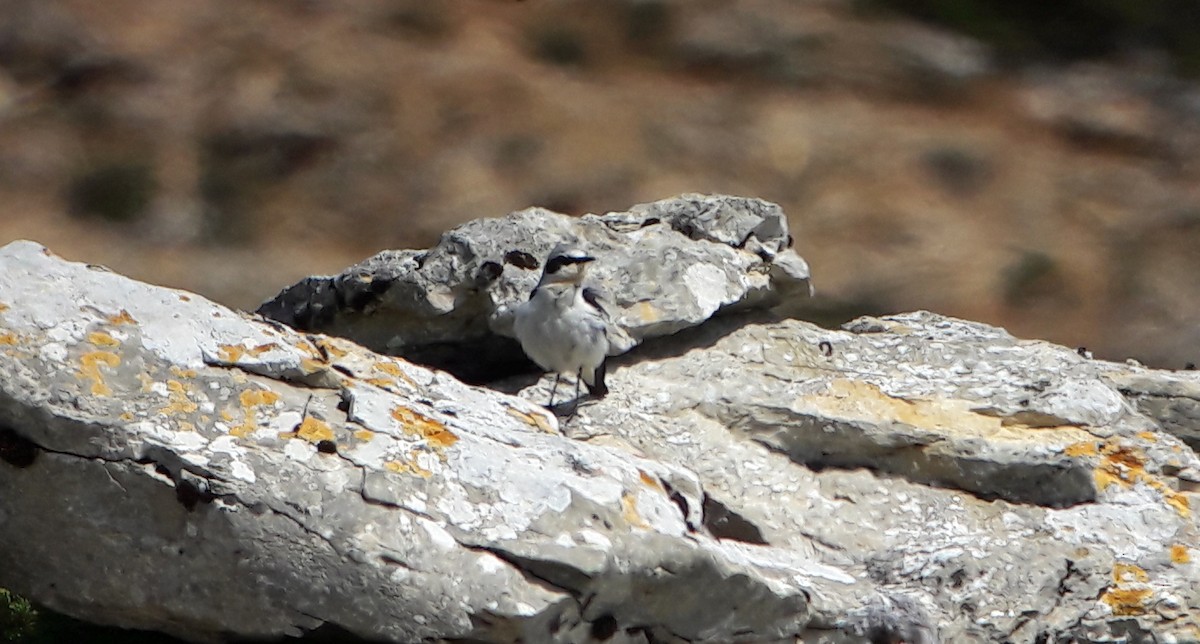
(170,464)
(662,266)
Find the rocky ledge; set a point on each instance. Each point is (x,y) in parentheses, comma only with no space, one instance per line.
(169,464)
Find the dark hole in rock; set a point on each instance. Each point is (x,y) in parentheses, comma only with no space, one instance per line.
(724,523)
(190,495)
(680,501)
(604,627)
(488,272)
(327,447)
(15,449)
(521,259)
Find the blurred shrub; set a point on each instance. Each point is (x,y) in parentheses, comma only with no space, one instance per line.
(116,192)
(18,619)
(557,45)
(1033,276)
(1068,29)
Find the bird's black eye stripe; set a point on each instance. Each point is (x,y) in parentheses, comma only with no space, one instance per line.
(554,264)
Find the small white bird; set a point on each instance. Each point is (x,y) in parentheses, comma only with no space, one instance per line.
(562,327)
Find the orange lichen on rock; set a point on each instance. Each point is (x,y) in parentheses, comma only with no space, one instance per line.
(408,466)
(1148,436)
(262,348)
(102,339)
(1124,573)
(121,318)
(1127,601)
(311,365)
(535,419)
(231,352)
(179,401)
(364,434)
(330,348)
(434,432)
(630,513)
(394,370)
(250,399)
(3,307)
(1082,448)
(8,338)
(89,369)
(649,481)
(1125,465)
(180,372)
(1180,555)
(314,430)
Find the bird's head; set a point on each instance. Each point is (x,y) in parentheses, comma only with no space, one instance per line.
(565,265)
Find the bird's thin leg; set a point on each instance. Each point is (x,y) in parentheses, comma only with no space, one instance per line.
(575,401)
(553,389)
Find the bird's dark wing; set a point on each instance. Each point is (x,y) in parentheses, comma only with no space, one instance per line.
(592,296)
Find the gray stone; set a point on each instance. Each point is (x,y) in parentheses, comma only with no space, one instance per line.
(170,464)
(166,463)
(662,267)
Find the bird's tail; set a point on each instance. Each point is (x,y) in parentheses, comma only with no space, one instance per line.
(595,384)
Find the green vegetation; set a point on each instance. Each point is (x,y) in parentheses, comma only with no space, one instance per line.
(1068,29)
(18,619)
(22,623)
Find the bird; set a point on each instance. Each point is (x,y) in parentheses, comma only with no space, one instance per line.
(562,327)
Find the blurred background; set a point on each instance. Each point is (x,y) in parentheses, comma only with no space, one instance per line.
(1026,163)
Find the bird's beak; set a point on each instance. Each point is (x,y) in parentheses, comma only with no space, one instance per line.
(584,260)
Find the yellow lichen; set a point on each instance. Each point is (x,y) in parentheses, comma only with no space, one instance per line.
(853,400)
(629,511)
(1082,448)
(102,339)
(3,307)
(394,370)
(126,417)
(89,369)
(1148,436)
(364,434)
(310,366)
(121,318)
(382,383)
(179,401)
(1180,555)
(1127,601)
(540,421)
(314,430)
(231,352)
(1125,465)
(180,372)
(235,352)
(649,481)
(250,399)
(8,338)
(408,466)
(256,397)
(1124,573)
(331,348)
(434,432)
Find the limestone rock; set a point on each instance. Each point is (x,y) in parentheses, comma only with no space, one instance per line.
(170,464)
(663,267)
(1010,490)
(911,478)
